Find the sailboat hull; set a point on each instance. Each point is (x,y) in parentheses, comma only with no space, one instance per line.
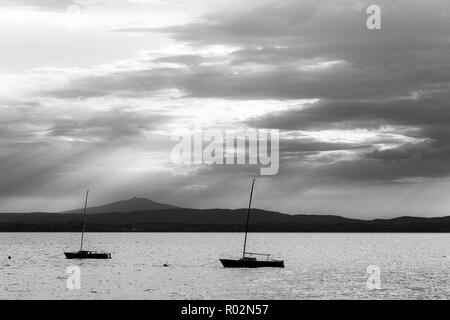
(87,255)
(244,263)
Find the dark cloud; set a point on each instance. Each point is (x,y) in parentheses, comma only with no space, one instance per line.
(187,59)
(387,171)
(423,112)
(312,146)
(426,119)
(111,126)
(273,21)
(409,53)
(327,29)
(75,93)
(119,83)
(340,81)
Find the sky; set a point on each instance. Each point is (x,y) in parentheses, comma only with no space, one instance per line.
(91,92)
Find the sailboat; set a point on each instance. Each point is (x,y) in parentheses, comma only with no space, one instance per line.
(248,259)
(83,254)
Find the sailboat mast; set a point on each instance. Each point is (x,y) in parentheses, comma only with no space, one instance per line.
(84,219)
(248,216)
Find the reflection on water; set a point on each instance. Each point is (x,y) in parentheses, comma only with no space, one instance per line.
(318,266)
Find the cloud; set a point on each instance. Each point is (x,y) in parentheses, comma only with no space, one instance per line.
(272,21)
(302,149)
(425,111)
(287,51)
(124,83)
(50,151)
(308,80)
(112,126)
(424,119)
(380,114)
(56,5)
(295,50)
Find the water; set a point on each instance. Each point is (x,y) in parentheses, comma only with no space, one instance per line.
(318,266)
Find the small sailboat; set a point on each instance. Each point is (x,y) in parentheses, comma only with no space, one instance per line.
(83,254)
(248,259)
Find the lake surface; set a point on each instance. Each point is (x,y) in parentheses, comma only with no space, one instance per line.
(318,266)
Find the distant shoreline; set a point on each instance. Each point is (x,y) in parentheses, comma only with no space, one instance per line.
(343,232)
(159,228)
(214,220)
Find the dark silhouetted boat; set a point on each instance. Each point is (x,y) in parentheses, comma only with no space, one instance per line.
(83,254)
(248,259)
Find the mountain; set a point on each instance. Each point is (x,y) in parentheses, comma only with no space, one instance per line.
(134,204)
(174,219)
